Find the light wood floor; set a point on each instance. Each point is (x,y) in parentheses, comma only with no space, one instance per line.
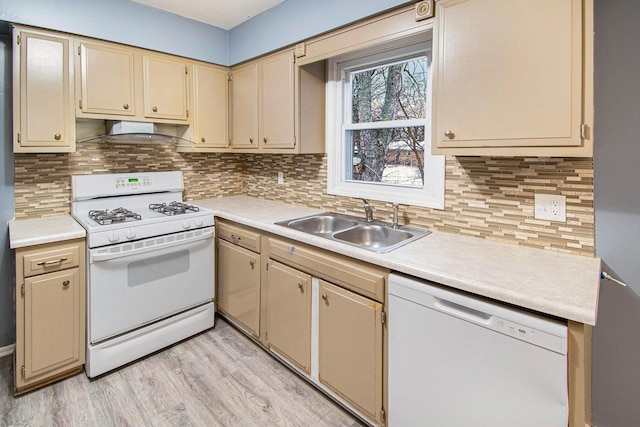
(219,378)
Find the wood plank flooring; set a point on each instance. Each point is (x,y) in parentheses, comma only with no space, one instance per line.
(219,378)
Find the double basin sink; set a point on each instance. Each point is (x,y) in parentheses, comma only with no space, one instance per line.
(374,236)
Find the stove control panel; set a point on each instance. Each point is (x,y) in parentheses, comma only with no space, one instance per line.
(133,182)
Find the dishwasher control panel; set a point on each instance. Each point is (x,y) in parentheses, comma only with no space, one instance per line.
(532,335)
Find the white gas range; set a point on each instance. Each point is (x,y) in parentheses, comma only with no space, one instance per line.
(150,258)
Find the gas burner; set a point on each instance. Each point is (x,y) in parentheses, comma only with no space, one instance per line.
(173,208)
(118,215)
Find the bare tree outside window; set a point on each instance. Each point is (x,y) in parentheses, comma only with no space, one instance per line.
(381,151)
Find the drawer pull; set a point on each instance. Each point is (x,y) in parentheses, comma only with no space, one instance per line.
(48,263)
(235,239)
(65,283)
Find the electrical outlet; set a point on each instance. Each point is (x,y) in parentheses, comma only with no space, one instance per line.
(550,206)
(280,178)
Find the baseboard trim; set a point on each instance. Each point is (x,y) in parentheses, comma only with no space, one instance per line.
(7,350)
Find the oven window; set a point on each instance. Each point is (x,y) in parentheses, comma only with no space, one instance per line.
(157,268)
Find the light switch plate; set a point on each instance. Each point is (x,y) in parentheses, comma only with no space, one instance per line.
(550,206)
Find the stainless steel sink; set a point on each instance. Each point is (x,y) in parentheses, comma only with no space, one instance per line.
(321,224)
(376,236)
(373,236)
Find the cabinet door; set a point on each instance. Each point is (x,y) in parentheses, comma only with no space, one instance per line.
(507,74)
(43,94)
(277,102)
(238,285)
(289,314)
(53,333)
(165,88)
(244,106)
(106,80)
(350,350)
(210,100)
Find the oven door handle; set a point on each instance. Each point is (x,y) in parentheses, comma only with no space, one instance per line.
(107,255)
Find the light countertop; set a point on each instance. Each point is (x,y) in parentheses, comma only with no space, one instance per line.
(558,284)
(37,231)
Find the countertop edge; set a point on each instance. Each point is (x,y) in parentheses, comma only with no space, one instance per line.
(36,231)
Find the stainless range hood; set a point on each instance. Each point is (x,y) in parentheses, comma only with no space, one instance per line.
(128,132)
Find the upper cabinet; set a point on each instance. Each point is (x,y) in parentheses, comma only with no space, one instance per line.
(277,107)
(511,79)
(43,72)
(210,97)
(106,80)
(165,87)
(244,106)
(122,83)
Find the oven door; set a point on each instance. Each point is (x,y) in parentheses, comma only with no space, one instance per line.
(134,284)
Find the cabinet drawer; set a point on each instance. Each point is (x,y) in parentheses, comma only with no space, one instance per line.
(42,260)
(363,278)
(240,236)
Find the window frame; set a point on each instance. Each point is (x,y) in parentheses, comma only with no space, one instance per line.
(339,123)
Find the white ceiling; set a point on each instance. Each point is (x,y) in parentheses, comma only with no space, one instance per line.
(220,13)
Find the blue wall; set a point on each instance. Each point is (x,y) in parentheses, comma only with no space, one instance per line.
(616,337)
(296,20)
(123,21)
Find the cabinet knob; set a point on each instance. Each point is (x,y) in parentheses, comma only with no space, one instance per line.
(300,287)
(65,283)
(155,109)
(251,140)
(202,139)
(449,134)
(265,139)
(57,136)
(125,106)
(252,264)
(324,297)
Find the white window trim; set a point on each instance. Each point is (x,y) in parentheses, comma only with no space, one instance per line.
(432,194)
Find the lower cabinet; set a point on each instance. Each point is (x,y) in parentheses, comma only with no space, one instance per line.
(350,347)
(50,313)
(320,313)
(238,285)
(289,314)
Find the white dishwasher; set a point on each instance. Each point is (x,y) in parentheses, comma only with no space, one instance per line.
(460,360)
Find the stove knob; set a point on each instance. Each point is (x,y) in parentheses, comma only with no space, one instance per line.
(130,234)
(114,237)
(186,224)
(199,222)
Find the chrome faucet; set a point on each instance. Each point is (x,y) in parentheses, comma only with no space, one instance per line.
(395,215)
(368,213)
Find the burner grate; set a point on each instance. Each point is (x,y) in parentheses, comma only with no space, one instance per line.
(118,215)
(173,208)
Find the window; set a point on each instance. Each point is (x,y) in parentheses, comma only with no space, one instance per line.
(379,126)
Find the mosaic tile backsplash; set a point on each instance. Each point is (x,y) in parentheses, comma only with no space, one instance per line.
(485,197)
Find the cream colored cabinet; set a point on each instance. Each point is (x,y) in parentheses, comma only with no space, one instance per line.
(277,107)
(210,122)
(289,314)
(165,87)
(107,83)
(276,114)
(50,313)
(511,79)
(238,283)
(244,107)
(44,120)
(350,350)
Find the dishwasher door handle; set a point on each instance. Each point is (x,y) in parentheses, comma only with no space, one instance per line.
(466,313)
